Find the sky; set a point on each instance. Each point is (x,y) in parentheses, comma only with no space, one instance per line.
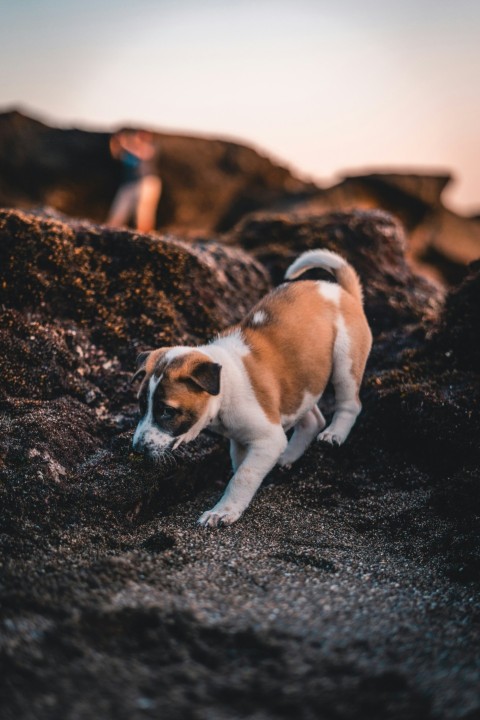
(325,87)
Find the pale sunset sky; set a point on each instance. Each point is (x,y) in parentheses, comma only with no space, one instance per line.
(324,87)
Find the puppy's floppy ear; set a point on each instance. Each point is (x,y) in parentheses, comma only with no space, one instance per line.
(206,375)
(140,365)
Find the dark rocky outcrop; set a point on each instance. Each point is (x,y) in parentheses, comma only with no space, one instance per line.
(457,338)
(440,243)
(128,290)
(208,184)
(349,589)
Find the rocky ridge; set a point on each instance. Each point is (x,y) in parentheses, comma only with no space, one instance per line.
(210,184)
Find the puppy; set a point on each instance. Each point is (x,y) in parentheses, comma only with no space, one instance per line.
(262,377)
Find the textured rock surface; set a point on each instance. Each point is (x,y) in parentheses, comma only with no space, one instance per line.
(457,340)
(440,242)
(126,290)
(350,589)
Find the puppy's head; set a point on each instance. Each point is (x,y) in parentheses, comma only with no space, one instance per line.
(176,398)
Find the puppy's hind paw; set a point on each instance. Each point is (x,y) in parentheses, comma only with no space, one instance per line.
(330,438)
(285,462)
(217,517)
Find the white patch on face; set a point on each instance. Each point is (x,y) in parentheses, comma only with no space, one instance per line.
(147,435)
(233,343)
(330,291)
(259,317)
(177,351)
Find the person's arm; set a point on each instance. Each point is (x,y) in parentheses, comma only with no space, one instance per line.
(143,149)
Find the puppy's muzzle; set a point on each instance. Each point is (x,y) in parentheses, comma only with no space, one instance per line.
(148,448)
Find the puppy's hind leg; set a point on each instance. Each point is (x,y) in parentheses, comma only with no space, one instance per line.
(347,376)
(305,431)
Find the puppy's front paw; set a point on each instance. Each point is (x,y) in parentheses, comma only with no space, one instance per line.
(219,516)
(330,438)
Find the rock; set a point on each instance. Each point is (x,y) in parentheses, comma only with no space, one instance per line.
(129,291)
(374,242)
(440,242)
(424,401)
(42,359)
(456,342)
(208,184)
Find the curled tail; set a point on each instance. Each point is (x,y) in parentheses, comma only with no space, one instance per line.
(345,274)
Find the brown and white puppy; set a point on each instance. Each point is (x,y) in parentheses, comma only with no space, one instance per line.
(262,377)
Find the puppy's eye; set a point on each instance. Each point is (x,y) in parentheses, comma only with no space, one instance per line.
(167,412)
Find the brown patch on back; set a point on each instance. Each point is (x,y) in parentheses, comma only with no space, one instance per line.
(292,352)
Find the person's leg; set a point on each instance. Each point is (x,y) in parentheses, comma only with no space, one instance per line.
(150,188)
(123,205)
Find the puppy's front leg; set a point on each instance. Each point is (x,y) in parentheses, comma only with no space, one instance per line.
(260,458)
(237,454)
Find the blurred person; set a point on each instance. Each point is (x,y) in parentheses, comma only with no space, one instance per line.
(141,186)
